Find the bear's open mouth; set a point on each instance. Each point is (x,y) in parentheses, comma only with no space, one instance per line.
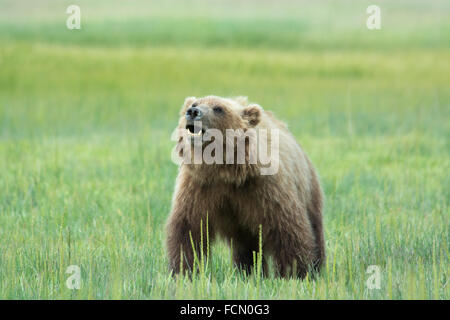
(194,130)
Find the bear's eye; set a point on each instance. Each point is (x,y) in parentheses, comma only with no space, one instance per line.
(218,109)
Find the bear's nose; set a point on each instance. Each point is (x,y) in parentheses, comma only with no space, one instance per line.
(194,113)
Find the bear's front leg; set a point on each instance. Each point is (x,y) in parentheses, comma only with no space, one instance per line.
(184,239)
(293,250)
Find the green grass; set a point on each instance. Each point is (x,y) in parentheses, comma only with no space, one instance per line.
(86,117)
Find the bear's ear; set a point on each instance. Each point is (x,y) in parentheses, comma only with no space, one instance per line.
(252,114)
(187,103)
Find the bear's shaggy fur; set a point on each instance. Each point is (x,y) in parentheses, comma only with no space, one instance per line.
(236,199)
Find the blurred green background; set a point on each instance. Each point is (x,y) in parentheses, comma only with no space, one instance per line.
(86,117)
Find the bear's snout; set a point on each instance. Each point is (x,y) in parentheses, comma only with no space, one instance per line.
(194,113)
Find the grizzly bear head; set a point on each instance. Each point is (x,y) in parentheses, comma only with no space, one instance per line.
(209,120)
(218,113)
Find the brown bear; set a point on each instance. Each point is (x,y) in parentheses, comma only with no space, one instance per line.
(237,199)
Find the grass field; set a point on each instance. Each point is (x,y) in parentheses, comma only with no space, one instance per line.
(86,117)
